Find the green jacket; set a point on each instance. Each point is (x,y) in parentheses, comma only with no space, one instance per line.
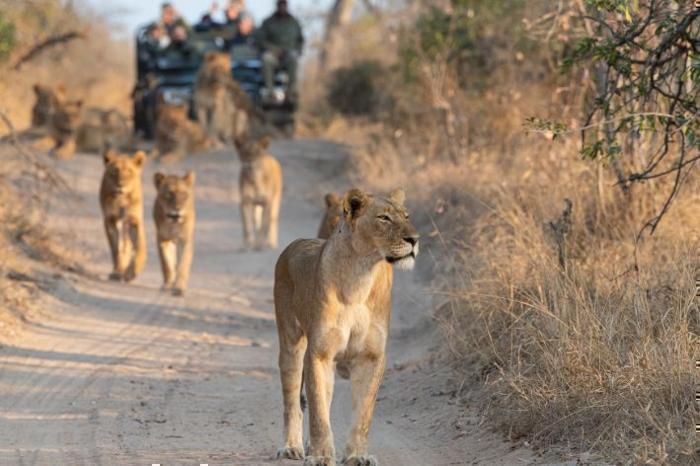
(280,33)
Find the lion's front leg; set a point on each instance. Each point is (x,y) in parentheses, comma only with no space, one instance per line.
(183,267)
(167,250)
(113,240)
(318,370)
(365,377)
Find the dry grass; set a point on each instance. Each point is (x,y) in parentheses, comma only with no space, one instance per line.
(97,68)
(594,357)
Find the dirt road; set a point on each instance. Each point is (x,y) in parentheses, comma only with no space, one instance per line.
(116,374)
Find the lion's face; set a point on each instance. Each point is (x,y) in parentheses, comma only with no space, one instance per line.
(123,172)
(47,97)
(68,116)
(217,61)
(384,224)
(250,149)
(175,195)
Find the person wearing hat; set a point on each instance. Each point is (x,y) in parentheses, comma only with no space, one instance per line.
(282,41)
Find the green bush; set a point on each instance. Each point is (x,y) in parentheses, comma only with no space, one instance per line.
(357,89)
(7,37)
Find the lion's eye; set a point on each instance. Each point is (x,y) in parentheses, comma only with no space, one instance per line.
(384,218)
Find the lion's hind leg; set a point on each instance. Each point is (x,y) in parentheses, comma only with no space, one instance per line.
(291,363)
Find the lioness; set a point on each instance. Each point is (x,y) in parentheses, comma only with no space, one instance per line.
(122,207)
(334,212)
(100,129)
(174,216)
(223,109)
(176,134)
(47,100)
(64,126)
(332,305)
(260,186)
(213,102)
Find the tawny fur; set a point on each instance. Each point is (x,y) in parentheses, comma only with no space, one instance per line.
(174,216)
(47,100)
(223,109)
(101,129)
(176,135)
(121,200)
(332,305)
(332,216)
(260,185)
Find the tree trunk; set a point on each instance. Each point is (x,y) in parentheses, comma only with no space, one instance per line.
(339,17)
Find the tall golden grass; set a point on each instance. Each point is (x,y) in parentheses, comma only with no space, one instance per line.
(592,352)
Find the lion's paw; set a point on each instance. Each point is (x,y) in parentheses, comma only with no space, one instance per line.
(179,292)
(360,461)
(319,461)
(290,453)
(115,276)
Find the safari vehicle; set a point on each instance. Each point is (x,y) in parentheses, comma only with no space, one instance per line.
(170,78)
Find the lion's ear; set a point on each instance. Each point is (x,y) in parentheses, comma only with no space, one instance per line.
(108,156)
(139,158)
(189,178)
(332,199)
(37,89)
(158,179)
(264,142)
(398,196)
(354,203)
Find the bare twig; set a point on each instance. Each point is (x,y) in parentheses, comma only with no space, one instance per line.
(45,44)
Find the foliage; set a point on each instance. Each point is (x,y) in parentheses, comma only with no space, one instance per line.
(645,56)
(7,37)
(356,90)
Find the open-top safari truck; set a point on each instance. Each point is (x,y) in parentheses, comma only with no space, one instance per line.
(170,77)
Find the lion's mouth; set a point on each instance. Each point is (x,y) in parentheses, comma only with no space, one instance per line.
(175,217)
(395,259)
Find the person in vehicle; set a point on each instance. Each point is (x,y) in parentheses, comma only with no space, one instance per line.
(229,19)
(180,46)
(246,31)
(282,41)
(170,19)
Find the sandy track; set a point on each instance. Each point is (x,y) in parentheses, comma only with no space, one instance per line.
(124,375)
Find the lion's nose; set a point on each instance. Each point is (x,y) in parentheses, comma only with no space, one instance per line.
(412,239)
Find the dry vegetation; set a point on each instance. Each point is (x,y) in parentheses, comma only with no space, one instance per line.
(30,255)
(92,65)
(582,330)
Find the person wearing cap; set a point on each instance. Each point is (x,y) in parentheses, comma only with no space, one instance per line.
(282,41)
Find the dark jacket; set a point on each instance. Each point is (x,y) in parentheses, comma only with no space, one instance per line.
(280,33)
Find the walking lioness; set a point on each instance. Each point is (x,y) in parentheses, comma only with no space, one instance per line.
(332,305)
(174,215)
(260,186)
(122,206)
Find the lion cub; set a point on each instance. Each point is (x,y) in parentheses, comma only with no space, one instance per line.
(64,127)
(101,128)
(333,305)
(121,200)
(260,186)
(47,101)
(174,216)
(334,212)
(177,135)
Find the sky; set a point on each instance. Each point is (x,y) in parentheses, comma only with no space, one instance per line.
(133,13)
